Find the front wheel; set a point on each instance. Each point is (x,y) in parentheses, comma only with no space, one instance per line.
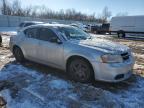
(18,54)
(80,70)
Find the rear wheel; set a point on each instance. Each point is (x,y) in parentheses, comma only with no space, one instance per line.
(121,34)
(80,70)
(18,54)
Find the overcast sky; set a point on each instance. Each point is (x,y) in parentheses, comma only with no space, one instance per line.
(133,7)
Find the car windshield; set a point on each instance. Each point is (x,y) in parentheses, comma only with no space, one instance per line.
(74,33)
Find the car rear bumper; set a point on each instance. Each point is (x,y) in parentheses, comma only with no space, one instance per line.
(113,72)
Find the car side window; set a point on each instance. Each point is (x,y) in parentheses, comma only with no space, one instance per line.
(46,34)
(31,33)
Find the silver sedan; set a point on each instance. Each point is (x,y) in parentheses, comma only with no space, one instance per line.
(68,48)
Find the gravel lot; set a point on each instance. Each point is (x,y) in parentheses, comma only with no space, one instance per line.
(38,86)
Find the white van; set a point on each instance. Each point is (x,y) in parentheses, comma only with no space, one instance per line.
(127,24)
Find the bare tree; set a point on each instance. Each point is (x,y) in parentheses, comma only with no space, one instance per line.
(5,8)
(106,14)
(16,9)
(12,8)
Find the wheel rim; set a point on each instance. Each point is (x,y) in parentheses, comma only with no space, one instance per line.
(79,70)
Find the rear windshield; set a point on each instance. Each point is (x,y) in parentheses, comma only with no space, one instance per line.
(28,24)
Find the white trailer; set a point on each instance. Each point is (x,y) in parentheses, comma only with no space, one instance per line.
(127,24)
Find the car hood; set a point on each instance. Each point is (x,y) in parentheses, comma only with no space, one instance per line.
(103,45)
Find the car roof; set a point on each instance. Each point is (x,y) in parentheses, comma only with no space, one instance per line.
(51,25)
(48,25)
(38,22)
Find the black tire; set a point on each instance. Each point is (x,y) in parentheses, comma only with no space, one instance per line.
(80,70)
(18,54)
(109,33)
(121,34)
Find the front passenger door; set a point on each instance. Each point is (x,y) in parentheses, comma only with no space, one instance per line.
(49,52)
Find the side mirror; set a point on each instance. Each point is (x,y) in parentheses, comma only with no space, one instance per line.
(55,40)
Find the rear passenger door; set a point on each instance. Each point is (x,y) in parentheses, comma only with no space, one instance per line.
(49,52)
(31,43)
